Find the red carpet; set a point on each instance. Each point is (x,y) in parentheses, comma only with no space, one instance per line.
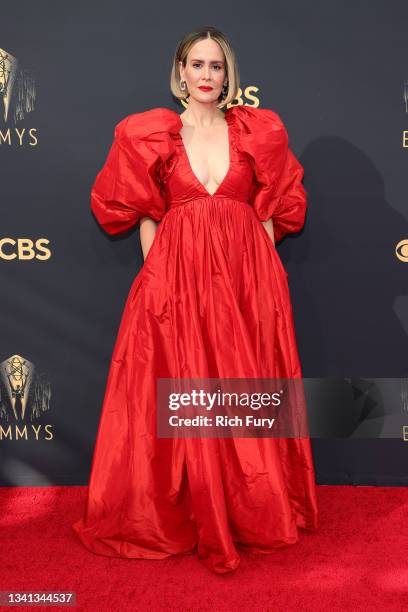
(357,561)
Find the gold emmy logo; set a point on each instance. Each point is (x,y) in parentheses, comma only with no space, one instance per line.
(401,250)
(405,132)
(25,397)
(17,99)
(24,249)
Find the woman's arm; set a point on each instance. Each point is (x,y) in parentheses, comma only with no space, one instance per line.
(268,225)
(148,228)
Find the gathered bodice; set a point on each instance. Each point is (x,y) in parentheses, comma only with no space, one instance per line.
(181,185)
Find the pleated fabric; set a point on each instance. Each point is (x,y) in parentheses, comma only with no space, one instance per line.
(211,300)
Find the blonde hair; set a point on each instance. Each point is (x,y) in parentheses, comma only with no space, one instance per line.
(184,46)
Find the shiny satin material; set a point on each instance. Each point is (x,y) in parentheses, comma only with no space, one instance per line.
(211,300)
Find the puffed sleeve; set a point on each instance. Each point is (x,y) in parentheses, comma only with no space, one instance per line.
(286,200)
(127,187)
(278,190)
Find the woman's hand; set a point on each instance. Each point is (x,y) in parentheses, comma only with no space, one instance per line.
(268,225)
(148,229)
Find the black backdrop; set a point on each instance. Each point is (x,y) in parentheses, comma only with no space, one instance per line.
(335,72)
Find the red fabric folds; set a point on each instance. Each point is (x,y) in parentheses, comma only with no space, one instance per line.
(278,189)
(211,300)
(127,188)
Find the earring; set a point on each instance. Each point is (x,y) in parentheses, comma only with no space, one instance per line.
(225,90)
(182,85)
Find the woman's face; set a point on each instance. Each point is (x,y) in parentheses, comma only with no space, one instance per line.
(205,67)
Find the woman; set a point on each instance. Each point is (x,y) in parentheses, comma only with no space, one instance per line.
(212,191)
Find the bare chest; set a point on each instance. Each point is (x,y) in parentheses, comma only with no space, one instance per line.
(208,154)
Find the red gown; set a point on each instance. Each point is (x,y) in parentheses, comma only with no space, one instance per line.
(211,300)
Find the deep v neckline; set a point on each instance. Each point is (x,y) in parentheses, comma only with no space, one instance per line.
(193,174)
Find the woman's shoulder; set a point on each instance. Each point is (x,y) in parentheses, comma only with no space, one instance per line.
(260,132)
(255,117)
(161,119)
(143,123)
